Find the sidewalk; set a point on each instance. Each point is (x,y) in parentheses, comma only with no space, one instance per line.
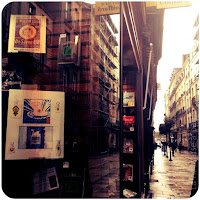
(172,179)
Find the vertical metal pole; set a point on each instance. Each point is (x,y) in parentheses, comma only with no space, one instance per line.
(148,72)
(170,156)
(140,132)
(121,101)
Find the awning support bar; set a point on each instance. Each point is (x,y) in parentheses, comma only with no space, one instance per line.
(148,72)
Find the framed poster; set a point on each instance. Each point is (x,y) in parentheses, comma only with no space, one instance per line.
(35,137)
(27,33)
(128,146)
(128,172)
(128,123)
(36,128)
(128,99)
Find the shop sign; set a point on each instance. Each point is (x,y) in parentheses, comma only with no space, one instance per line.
(172,4)
(168,4)
(67,51)
(150,3)
(27,33)
(35,125)
(107,8)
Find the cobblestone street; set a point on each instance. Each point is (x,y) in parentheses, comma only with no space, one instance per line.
(172,179)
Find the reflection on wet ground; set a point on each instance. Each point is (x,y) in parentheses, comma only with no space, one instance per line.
(169,180)
(172,179)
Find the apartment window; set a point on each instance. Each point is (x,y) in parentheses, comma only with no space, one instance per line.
(193,114)
(76,19)
(32,10)
(68,11)
(196,88)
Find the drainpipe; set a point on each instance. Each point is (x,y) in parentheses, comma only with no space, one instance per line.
(148,72)
(150,103)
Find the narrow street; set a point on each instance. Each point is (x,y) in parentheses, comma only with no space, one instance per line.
(172,179)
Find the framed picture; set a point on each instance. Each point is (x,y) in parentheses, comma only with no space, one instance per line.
(27,33)
(35,137)
(128,123)
(128,146)
(128,99)
(128,172)
(37,131)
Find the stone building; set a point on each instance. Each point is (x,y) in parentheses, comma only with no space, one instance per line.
(182,97)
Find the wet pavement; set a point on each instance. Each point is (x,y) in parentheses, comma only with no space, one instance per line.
(172,179)
(169,179)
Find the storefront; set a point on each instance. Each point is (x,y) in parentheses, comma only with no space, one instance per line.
(78,115)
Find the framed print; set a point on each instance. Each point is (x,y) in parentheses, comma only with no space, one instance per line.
(27,33)
(128,172)
(39,133)
(128,99)
(128,146)
(35,137)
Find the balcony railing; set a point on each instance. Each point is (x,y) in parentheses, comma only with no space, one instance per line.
(194,125)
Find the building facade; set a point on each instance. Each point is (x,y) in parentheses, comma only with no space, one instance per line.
(182,97)
(108,140)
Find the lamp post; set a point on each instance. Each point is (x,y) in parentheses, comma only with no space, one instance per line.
(170,156)
(166,152)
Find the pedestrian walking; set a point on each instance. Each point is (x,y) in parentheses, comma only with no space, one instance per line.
(180,147)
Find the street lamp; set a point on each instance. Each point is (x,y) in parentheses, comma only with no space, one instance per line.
(170,157)
(166,152)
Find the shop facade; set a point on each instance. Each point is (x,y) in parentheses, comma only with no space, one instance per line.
(77,110)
